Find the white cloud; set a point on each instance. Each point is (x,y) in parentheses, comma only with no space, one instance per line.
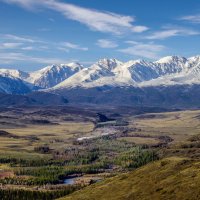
(27,43)
(28,48)
(171,33)
(163,34)
(96,20)
(70,45)
(63,49)
(192,18)
(34,48)
(10,45)
(103,43)
(7,58)
(139,29)
(17,38)
(146,50)
(131,42)
(28,4)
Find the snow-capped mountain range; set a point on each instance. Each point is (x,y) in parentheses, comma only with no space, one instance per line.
(53,75)
(13,85)
(170,70)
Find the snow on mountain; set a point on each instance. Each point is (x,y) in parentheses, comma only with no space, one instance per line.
(14,73)
(110,72)
(170,70)
(53,75)
(136,71)
(195,70)
(171,65)
(193,73)
(194,61)
(176,71)
(12,85)
(87,76)
(109,64)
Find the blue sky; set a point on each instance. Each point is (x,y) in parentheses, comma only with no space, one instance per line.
(35,33)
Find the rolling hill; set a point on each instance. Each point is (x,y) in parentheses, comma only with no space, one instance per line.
(169,179)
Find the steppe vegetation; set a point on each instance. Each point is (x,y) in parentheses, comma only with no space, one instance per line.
(40,148)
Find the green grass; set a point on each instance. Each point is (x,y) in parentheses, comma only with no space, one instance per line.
(111,155)
(169,179)
(140,140)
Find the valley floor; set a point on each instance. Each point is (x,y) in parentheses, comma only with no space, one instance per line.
(103,149)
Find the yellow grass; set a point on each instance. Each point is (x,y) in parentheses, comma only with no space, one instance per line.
(178,125)
(169,179)
(57,136)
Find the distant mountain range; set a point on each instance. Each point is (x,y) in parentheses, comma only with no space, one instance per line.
(109,80)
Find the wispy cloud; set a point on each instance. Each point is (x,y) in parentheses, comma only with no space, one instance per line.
(63,49)
(146,50)
(163,34)
(9,41)
(28,48)
(28,4)
(131,42)
(103,43)
(96,20)
(192,18)
(69,45)
(10,45)
(8,58)
(51,20)
(139,29)
(17,38)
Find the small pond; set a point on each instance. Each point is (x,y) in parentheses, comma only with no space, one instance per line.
(69,181)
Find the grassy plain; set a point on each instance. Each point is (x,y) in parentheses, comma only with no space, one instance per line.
(40,146)
(178,125)
(175,176)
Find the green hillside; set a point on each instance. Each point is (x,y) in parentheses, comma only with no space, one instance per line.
(170,178)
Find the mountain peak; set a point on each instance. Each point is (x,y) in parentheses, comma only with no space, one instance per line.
(170,59)
(14,73)
(167,70)
(54,74)
(194,59)
(72,64)
(140,62)
(109,64)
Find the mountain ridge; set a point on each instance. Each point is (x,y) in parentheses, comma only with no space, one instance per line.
(167,71)
(137,73)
